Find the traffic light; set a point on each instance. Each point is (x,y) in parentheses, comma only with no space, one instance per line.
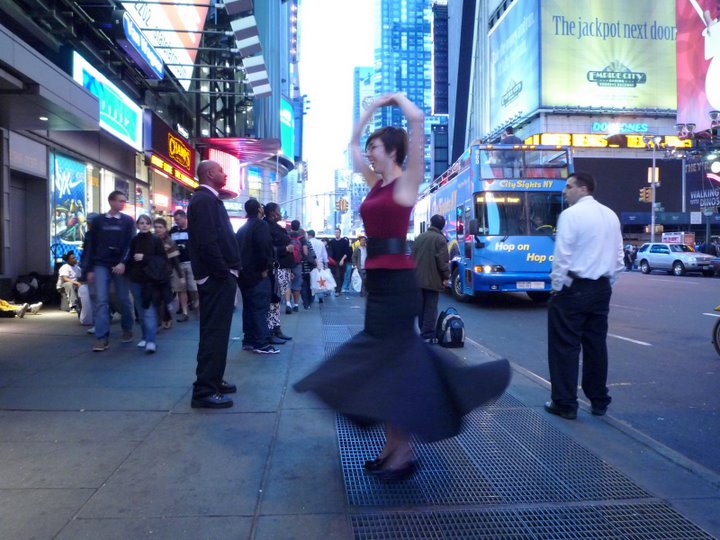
(343,205)
(645,195)
(641,195)
(338,204)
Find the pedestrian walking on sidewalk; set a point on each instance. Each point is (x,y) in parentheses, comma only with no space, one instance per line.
(387,373)
(104,261)
(215,262)
(430,251)
(587,260)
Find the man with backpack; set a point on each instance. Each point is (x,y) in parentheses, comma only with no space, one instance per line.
(432,268)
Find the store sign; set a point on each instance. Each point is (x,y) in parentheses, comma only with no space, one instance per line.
(119,115)
(171,170)
(698,61)
(614,54)
(168,152)
(596,140)
(619,127)
(134,42)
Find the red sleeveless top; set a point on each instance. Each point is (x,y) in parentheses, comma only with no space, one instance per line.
(384,218)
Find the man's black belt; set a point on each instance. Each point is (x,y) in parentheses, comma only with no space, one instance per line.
(575,277)
(386,246)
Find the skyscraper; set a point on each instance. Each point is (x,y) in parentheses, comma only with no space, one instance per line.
(403,62)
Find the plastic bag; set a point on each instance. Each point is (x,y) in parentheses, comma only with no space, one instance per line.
(322,281)
(356,280)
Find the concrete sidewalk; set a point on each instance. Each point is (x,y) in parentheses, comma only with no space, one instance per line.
(105,445)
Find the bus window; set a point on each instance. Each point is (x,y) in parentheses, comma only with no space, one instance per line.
(517,213)
(544,210)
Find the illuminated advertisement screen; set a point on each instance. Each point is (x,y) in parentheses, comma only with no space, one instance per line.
(184,20)
(68,224)
(698,61)
(515,63)
(119,115)
(287,128)
(615,53)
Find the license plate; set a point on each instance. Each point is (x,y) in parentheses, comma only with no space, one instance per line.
(530,284)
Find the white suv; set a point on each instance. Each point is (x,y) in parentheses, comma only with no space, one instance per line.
(675,258)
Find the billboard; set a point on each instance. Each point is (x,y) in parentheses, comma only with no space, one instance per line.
(698,61)
(515,63)
(67,201)
(615,54)
(287,128)
(177,37)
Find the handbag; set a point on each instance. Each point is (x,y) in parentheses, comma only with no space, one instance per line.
(322,281)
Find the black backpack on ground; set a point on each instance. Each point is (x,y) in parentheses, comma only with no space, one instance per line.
(450,329)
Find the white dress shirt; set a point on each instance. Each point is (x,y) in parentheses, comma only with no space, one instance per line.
(320,252)
(588,243)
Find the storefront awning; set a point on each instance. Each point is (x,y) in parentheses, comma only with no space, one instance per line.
(246,150)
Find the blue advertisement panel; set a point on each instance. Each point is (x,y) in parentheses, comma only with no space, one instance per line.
(287,128)
(67,204)
(515,63)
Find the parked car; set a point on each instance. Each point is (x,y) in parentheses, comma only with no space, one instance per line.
(674,258)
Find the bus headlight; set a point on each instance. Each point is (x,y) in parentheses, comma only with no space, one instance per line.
(489,269)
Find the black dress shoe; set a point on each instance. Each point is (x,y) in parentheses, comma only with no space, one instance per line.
(397,474)
(374,464)
(278,334)
(227,388)
(214,401)
(598,411)
(274,340)
(563,412)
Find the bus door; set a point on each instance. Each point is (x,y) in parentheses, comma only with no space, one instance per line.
(465,244)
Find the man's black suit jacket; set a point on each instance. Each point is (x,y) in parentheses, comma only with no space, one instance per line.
(212,244)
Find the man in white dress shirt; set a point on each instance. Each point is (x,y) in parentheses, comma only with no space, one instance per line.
(587,260)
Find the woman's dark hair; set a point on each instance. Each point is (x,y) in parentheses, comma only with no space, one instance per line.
(144,217)
(271,207)
(160,221)
(252,208)
(295,225)
(392,138)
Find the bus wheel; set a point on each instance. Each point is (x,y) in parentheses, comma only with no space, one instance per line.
(539,297)
(457,289)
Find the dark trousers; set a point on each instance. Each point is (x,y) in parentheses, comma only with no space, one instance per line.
(305,292)
(578,318)
(217,301)
(427,316)
(256,305)
(339,274)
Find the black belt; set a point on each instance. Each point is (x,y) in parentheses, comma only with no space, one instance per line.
(386,246)
(575,277)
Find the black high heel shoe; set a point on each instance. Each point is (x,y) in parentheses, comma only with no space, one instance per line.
(374,464)
(397,474)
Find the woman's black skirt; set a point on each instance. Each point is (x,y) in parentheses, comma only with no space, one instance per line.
(388,373)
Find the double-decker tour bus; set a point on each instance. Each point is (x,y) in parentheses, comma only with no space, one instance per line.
(501,205)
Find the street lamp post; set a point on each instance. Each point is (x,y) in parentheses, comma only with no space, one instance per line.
(652,141)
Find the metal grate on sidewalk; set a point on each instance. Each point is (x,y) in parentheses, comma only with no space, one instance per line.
(644,521)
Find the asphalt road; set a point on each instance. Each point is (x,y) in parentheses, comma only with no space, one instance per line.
(664,372)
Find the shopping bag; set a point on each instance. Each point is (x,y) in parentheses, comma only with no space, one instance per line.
(356,280)
(321,281)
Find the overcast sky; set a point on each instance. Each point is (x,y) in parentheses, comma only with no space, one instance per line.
(335,36)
